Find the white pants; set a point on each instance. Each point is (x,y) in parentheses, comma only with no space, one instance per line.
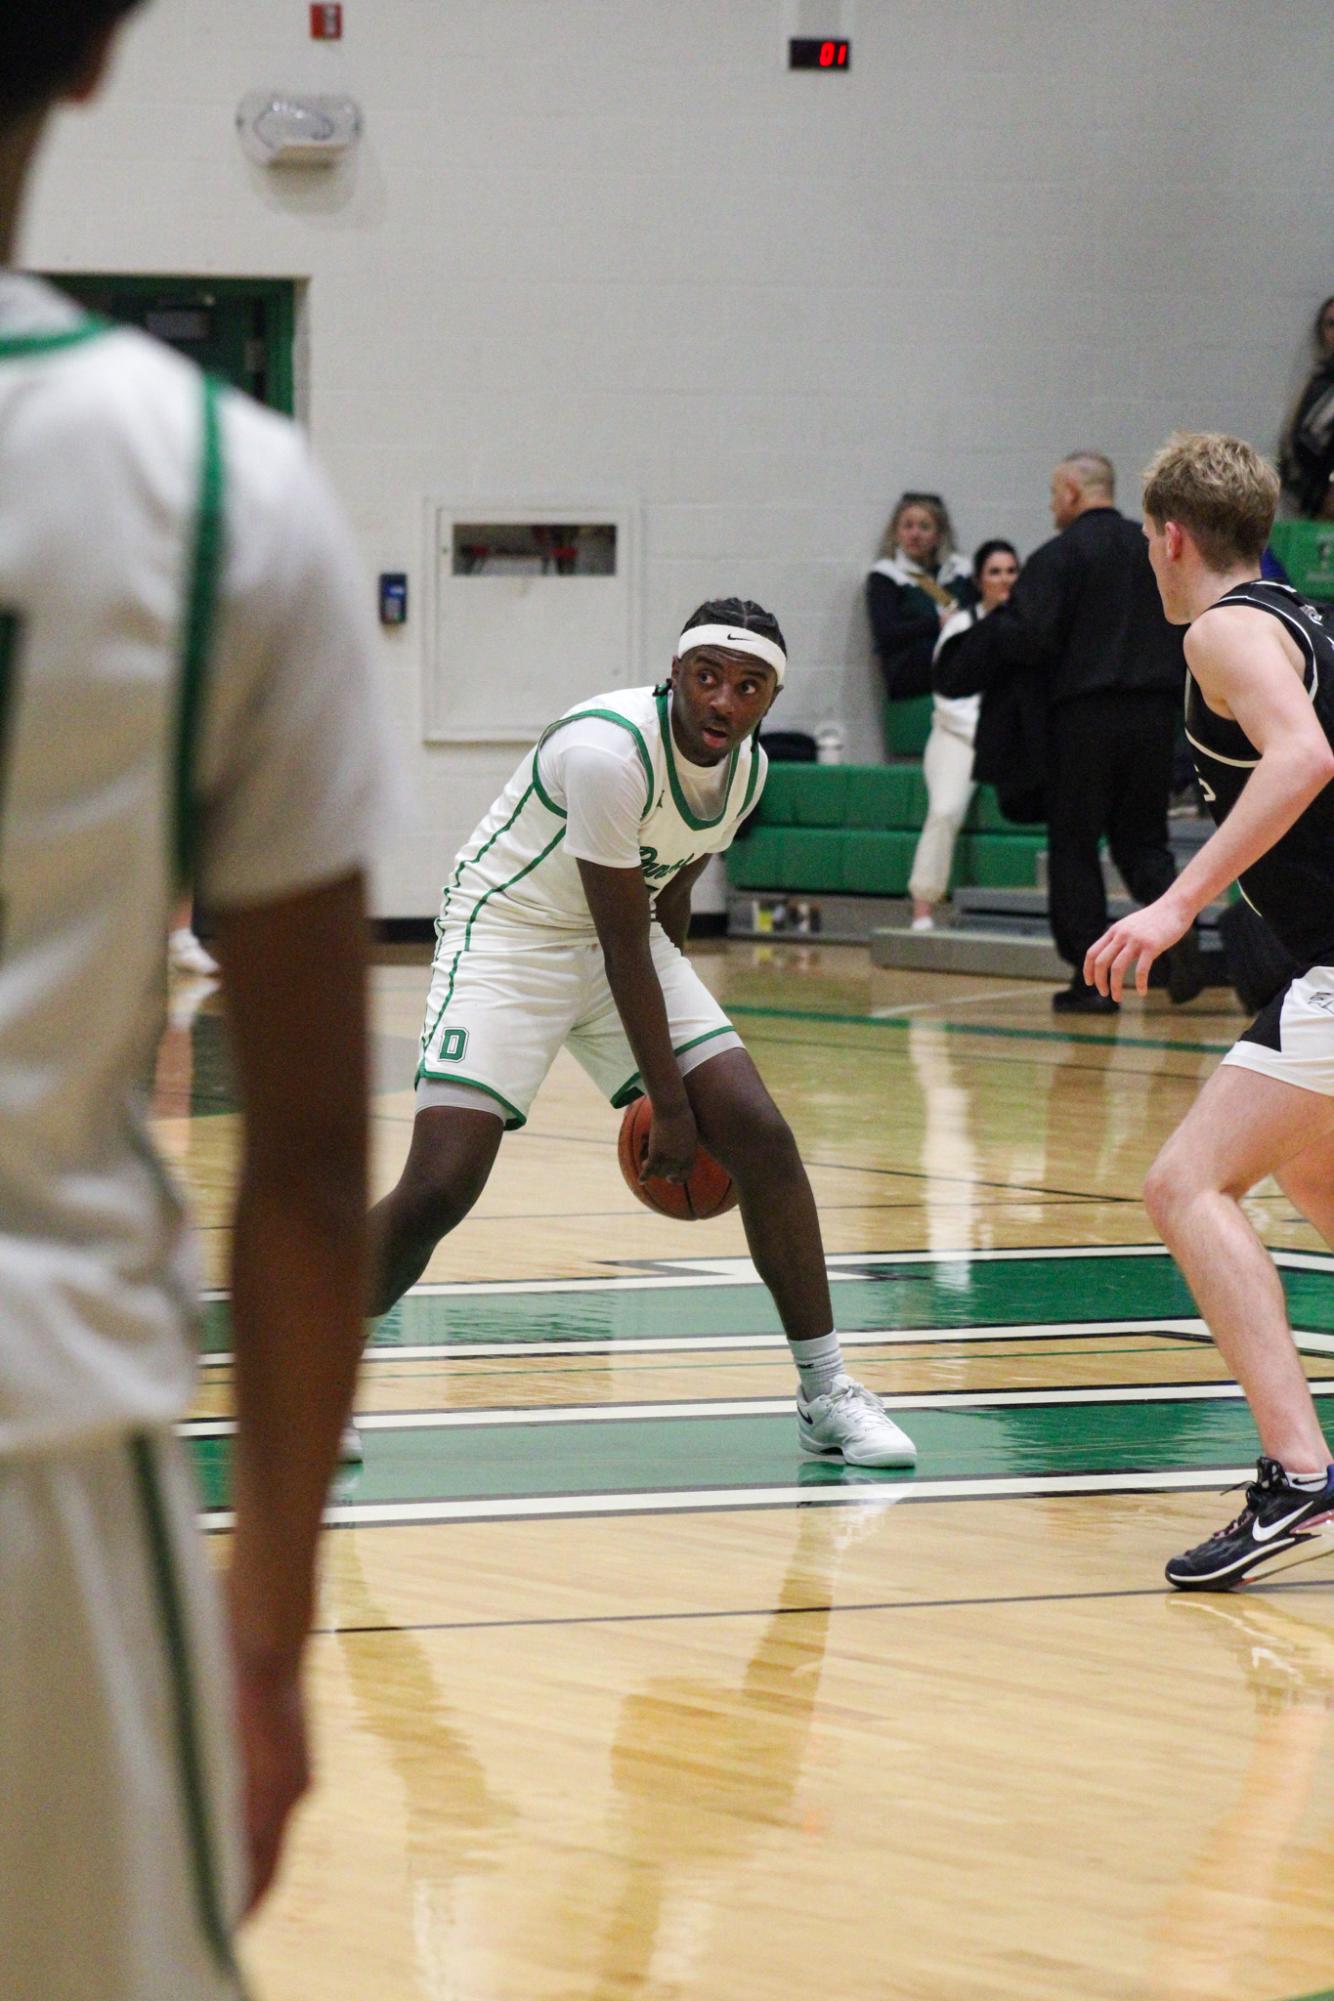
(947,767)
(120,1869)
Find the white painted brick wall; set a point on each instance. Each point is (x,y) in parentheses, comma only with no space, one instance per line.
(618,248)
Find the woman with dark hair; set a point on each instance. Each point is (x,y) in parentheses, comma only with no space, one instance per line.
(948,762)
(1306,450)
(915,587)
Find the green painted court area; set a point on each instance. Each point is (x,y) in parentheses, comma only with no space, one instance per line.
(945,1293)
(653,1455)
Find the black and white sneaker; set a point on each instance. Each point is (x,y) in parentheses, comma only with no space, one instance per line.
(1279,1525)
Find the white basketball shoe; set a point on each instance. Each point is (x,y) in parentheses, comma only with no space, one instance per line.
(186,955)
(850,1423)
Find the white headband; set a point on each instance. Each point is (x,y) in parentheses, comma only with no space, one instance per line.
(737,641)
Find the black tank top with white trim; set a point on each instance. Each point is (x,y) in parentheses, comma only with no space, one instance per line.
(1292,886)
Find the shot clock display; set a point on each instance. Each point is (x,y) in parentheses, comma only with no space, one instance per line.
(811,52)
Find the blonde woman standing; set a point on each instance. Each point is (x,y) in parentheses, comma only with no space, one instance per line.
(913,590)
(947,764)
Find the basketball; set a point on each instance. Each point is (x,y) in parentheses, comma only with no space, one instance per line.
(708,1190)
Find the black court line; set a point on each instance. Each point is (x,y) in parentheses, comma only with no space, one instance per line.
(1017,1188)
(1042,1399)
(1126,1324)
(992,1057)
(683,1266)
(1009,1032)
(627,1364)
(824,1610)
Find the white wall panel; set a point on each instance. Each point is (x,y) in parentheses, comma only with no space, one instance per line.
(597,248)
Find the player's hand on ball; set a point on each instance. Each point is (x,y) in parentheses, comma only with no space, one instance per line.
(671,1146)
(1136,941)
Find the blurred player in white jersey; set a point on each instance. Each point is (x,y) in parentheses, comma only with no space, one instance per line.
(185,697)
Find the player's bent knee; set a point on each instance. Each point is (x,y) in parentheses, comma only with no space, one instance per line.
(762,1146)
(437,1191)
(1173,1182)
(1168,1187)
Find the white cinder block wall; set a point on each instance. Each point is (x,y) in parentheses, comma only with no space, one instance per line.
(617,249)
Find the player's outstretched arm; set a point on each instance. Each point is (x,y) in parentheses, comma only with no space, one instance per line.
(295,989)
(1244,671)
(619,904)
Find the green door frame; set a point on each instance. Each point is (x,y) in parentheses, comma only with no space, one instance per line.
(118,294)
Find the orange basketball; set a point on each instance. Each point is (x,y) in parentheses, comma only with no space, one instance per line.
(706,1191)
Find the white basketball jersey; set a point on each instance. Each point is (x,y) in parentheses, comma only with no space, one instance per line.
(127,484)
(515,868)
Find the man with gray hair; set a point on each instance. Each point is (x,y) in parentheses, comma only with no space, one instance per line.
(1085,621)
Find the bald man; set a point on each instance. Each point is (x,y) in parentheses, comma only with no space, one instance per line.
(1086,625)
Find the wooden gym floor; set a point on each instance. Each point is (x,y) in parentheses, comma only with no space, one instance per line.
(618,1697)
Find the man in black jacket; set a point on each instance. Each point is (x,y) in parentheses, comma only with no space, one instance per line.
(1086,623)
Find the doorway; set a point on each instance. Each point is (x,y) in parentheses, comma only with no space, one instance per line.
(241,329)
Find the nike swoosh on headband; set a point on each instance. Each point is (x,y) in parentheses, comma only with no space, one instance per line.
(743,642)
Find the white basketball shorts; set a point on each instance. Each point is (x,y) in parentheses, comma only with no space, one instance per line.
(1292,1038)
(120,1864)
(501,1006)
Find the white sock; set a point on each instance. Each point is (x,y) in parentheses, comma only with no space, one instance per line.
(1308,1483)
(819,1364)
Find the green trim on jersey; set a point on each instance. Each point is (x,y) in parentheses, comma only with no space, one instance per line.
(496,889)
(194,1789)
(678,796)
(19,347)
(200,620)
(632,1088)
(601,716)
(752,780)
(516,1117)
(469,861)
(537,786)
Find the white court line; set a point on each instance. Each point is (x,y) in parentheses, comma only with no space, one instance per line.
(494,1416)
(388,1514)
(672,1274)
(687,1344)
(964,1000)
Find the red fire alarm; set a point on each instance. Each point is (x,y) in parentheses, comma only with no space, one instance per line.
(326,24)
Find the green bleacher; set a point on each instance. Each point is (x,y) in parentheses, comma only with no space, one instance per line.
(851,830)
(1306,551)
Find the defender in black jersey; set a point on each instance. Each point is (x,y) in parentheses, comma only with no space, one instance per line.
(1260,720)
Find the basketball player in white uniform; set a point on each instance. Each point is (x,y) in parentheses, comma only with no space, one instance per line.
(184,697)
(564,924)
(1260,722)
